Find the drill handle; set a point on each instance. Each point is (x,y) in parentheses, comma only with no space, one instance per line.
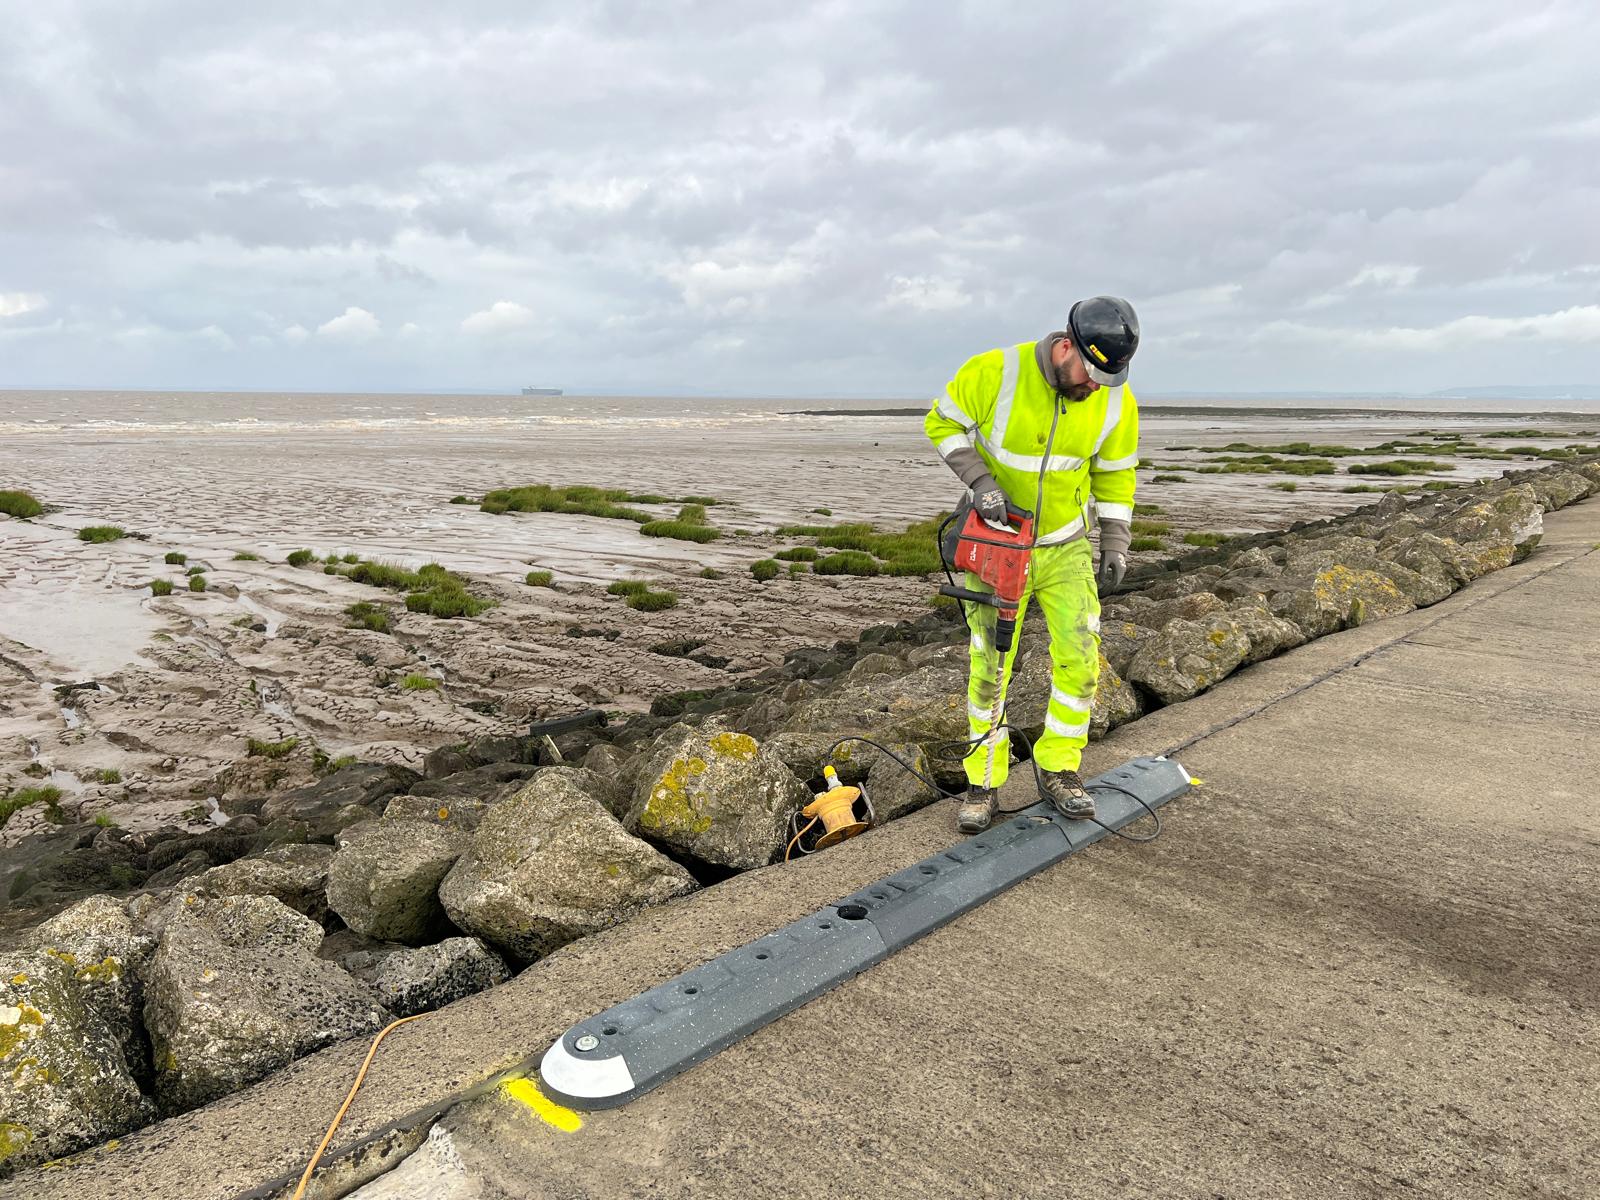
(961,593)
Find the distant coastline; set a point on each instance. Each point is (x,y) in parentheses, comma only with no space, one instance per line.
(1237,410)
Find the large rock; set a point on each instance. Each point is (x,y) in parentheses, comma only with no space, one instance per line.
(1120,641)
(895,791)
(1187,657)
(484,785)
(107,954)
(385,875)
(551,864)
(1337,597)
(346,796)
(297,874)
(65,1082)
(1267,634)
(408,981)
(49,870)
(1512,519)
(717,796)
(236,990)
(1116,702)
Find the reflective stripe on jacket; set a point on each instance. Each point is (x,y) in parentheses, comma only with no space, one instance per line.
(1001,405)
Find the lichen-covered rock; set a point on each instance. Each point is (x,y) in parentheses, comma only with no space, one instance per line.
(717,796)
(1555,489)
(107,954)
(65,1082)
(1512,519)
(1187,657)
(1267,634)
(1116,702)
(806,754)
(384,878)
(485,785)
(1337,597)
(1120,641)
(551,864)
(408,981)
(297,874)
(236,990)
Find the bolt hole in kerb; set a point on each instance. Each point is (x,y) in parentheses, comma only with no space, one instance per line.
(690,991)
(762,956)
(927,870)
(852,912)
(609,1030)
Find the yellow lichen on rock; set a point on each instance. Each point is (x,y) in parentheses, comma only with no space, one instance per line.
(739,746)
(670,807)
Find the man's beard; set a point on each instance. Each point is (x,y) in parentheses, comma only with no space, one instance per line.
(1080,391)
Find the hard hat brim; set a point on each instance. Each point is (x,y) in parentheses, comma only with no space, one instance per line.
(1104,378)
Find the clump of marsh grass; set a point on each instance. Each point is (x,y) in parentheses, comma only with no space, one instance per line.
(195,571)
(1151,527)
(101,533)
(175,559)
(19,504)
(197,583)
(364,614)
(419,683)
(1399,467)
(847,562)
(108,775)
(627,587)
(161,587)
(1169,479)
(49,796)
(797,554)
(431,589)
(246,556)
(299,558)
(912,551)
(255,748)
(539,578)
(1146,510)
(710,573)
(765,569)
(1202,538)
(653,601)
(689,526)
(1147,543)
(1284,485)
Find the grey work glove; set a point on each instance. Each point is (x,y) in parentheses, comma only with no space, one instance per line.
(989,500)
(1114,538)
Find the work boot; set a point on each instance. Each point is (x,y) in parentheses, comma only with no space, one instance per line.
(1065,790)
(977,809)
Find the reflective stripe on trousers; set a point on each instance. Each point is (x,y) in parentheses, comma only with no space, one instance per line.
(1061,580)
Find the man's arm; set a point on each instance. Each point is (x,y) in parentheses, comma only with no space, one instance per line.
(1111,483)
(956,416)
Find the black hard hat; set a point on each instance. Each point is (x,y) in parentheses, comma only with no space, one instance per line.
(1105,332)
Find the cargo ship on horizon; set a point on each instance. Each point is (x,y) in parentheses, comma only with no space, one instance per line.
(533,391)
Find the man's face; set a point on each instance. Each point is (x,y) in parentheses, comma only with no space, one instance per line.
(1075,381)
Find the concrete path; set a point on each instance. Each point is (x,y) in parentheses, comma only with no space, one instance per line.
(1363,960)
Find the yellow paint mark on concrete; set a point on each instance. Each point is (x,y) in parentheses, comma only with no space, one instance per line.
(526,1092)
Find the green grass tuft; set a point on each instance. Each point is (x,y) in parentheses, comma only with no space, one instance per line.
(1284,485)
(798,568)
(195,571)
(1147,543)
(364,614)
(627,587)
(459,500)
(431,588)
(175,559)
(539,578)
(826,512)
(197,583)
(299,558)
(101,533)
(1169,479)
(48,796)
(1146,510)
(652,601)
(246,556)
(260,749)
(419,683)
(161,587)
(1201,538)
(798,554)
(683,531)
(710,573)
(20,505)
(764,570)
(847,562)
(108,775)
(1152,527)
(587,501)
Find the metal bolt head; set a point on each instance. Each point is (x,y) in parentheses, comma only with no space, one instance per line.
(587,1042)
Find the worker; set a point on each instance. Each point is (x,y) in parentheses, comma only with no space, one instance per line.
(1051,427)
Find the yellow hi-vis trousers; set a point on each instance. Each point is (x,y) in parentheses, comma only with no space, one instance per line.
(1061,579)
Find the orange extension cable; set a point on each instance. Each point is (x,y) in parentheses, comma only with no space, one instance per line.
(300,1191)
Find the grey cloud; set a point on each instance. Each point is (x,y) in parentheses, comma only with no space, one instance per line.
(784,197)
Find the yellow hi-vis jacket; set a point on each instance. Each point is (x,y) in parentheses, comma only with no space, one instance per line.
(1000,404)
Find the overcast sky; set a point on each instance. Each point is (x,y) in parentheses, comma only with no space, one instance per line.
(791,198)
